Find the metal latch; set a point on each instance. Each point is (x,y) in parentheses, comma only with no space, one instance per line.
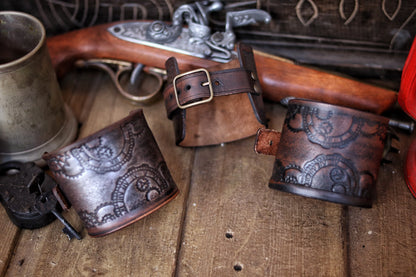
(26,192)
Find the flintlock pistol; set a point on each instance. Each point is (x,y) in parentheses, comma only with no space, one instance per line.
(190,39)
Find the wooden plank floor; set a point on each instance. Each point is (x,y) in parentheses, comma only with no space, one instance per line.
(225,221)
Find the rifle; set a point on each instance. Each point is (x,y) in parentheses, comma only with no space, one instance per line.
(152,43)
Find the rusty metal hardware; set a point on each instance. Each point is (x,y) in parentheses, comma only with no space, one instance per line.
(26,193)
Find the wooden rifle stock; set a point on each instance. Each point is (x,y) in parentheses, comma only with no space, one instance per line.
(279,78)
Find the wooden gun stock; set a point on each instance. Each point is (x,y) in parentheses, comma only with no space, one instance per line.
(279,78)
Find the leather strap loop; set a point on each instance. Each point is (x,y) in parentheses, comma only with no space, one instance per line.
(215,105)
(267,141)
(193,87)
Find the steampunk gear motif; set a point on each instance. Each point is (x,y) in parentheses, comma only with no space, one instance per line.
(114,177)
(137,188)
(96,155)
(326,152)
(340,175)
(319,126)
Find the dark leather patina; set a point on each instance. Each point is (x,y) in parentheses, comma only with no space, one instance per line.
(236,110)
(326,152)
(115,176)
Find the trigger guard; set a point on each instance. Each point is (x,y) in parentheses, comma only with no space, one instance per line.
(115,69)
(142,98)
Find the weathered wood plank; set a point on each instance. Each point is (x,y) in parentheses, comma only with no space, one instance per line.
(383,238)
(235,223)
(8,236)
(146,248)
(232,222)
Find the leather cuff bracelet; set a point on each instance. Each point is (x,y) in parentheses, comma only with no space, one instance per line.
(212,106)
(115,176)
(326,152)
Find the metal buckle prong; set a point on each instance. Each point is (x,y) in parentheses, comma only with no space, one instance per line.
(207,83)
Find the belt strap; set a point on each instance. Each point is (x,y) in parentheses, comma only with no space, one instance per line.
(200,86)
(202,102)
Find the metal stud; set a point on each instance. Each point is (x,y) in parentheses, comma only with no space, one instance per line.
(257,87)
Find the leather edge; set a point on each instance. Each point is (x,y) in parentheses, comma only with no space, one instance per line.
(267,141)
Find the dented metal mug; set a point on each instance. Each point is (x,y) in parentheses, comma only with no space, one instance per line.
(115,176)
(326,152)
(33,116)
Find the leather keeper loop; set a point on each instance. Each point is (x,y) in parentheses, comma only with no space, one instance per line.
(267,141)
(326,152)
(215,105)
(115,176)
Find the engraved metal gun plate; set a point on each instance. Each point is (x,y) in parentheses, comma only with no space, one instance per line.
(196,39)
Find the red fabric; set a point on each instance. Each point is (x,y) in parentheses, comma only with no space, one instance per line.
(407,93)
(407,100)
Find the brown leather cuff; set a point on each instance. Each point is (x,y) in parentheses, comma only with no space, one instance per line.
(115,176)
(326,152)
(212,106)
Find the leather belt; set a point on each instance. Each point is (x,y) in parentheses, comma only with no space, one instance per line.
(201,102)
(200,86)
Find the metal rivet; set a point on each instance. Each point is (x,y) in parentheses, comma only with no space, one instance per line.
(254,76)
(257,88)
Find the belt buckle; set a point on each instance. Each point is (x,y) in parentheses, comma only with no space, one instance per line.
(207,83)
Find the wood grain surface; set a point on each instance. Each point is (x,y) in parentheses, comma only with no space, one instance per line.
(226,221)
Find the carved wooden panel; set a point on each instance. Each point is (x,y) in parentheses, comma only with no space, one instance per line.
(380,23)
(386,24)
(63,15)
(371,30)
